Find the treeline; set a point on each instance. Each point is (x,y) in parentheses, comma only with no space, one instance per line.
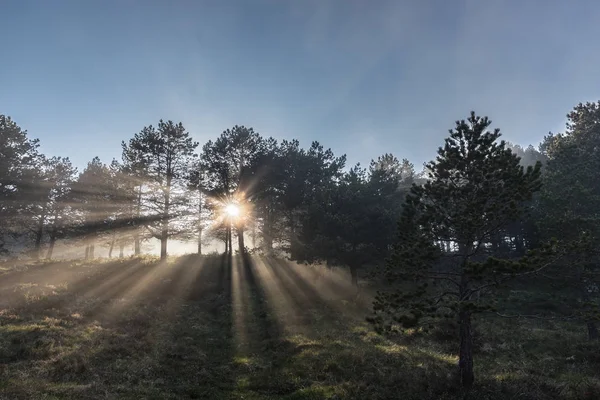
(303,202)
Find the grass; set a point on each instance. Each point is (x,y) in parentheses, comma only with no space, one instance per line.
(219,328)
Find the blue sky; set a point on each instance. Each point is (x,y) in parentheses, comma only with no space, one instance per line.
(363,77)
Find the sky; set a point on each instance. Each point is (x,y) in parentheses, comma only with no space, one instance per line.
(362,77)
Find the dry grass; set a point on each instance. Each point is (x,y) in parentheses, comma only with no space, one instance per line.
(217,328)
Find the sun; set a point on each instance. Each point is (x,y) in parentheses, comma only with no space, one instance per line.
(232,210)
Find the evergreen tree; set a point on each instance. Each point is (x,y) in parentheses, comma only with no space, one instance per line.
(60,217)
(163,154)
(18,157)
(199,207)
(44,200)
(230,165)
(307,181)
(569,206)
(92,194)
(134,170)
(475,188)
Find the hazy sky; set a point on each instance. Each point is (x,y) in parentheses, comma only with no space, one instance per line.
(363,77)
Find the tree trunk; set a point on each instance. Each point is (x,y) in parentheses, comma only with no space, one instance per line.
(87,251)
(164,234)
(592,330)
(583,285)
(200,242)
(267,235)
(121,248)
(465,356)
(293,239)
(200,223)
(163,244)
(353,264)
(519,245)
(91,253)
(39,234)
(136,246)
(354,274)
(226,243)
(51,247)
(240,235)
(112,246)
(229,241)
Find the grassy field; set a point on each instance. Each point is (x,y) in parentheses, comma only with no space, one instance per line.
(233,328)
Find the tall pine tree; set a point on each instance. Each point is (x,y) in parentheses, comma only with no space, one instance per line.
(163,155)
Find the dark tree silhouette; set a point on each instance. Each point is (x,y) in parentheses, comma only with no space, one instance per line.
(475,187)
(569,206)
(19,156)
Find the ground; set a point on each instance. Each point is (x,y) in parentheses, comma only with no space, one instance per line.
(254,328)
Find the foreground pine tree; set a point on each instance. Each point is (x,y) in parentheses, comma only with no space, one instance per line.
(442,266)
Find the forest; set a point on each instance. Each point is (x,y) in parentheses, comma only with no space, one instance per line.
(476,276)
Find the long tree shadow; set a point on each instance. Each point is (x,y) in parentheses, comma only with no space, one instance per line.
(75,282)
(172,339)
(306,297)
(333,297)
(267,331)
(153,287)
(194,350)
(262,348)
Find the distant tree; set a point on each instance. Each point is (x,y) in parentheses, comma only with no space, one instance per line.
(92,195)
(308,176)
(163,154)
(34,201)
(133,168)
(267,171)
(122,219)
(44,199)
(355,220)
(569,206)
(214,163)
(197,184)
(230,164)
(345,223)
(389,182)
(475,187)
(18,155)
(60,210)
(528,155)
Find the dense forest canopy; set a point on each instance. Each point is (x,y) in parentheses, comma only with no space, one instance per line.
(484,213)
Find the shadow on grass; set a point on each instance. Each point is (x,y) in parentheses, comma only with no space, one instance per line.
(165,341)
(254,328)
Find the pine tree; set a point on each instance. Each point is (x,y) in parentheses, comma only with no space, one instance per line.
(163,154)
(569,204)
(44,199)
(60,210)
(92,195)
(230,165)
(475,187)
(18,157)
(133,169)
(197,184)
